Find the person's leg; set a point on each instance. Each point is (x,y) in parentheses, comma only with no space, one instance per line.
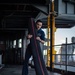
(27,56)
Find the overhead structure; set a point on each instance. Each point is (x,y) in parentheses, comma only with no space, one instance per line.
(14,13)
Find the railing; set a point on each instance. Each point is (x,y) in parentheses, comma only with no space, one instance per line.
(64,59)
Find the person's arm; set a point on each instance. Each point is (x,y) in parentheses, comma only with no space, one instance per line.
(42,41)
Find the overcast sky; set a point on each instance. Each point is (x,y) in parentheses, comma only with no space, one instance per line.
(62,34)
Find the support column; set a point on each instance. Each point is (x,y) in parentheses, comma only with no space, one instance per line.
(52,35)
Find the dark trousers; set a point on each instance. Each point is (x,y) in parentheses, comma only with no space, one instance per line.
(27,56)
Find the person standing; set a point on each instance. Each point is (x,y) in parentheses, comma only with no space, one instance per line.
(40,37)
